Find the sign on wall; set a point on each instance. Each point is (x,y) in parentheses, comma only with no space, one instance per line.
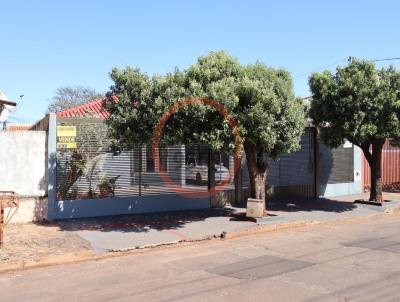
(66,137)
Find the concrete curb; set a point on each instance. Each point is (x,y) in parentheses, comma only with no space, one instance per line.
(21,265)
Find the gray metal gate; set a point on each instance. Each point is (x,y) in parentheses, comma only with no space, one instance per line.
(291,175)
(93,180)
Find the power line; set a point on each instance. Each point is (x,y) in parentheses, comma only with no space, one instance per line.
(386,59)
(321,68)
(375,60)
(342,61)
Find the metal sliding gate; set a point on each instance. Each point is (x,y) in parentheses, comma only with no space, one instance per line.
(291,175)
(93,180)
(306,173)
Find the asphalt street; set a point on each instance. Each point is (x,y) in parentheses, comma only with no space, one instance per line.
(348,262)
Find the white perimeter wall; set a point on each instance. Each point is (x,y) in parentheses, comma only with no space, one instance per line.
(23,162)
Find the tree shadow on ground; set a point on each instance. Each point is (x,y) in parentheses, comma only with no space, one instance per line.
(274,206)
(144,222)
(309,205)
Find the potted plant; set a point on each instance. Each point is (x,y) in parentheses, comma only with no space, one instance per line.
(105,187)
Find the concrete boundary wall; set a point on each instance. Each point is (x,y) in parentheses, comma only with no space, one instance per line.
(127,205)
(31,209)
(23,170)
(22,158)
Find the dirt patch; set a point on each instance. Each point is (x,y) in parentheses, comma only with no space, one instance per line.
(32,242)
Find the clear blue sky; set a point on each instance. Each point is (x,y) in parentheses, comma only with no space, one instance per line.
(50,44)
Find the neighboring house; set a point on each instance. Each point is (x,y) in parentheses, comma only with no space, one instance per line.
(90,109)
(18,127)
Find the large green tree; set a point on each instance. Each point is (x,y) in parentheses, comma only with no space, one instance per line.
(361,104)
(270,119)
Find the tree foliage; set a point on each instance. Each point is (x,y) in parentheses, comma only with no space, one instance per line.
(270,119)
(67,97)
(361,104)
(132,116)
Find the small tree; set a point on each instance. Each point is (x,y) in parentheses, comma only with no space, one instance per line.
(271,117)
(361,104)
(67,97)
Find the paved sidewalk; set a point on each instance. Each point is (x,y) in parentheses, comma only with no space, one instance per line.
(32,243)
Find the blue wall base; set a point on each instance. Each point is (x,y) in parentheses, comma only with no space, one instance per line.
(127,205)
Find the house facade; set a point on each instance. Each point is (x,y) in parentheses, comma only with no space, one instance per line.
(84,177)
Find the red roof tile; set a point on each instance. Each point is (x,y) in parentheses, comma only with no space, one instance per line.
(18,127)
(91,109)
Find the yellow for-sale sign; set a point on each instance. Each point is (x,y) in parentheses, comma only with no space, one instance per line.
(66,137)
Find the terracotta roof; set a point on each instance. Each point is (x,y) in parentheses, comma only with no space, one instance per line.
(91,109)
(18,127)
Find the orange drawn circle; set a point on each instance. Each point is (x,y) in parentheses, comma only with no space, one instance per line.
(157,136)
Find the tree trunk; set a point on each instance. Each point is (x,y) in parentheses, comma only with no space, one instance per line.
(238,182)
(374,161)
(257,167)
(211,172)
(376,173)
